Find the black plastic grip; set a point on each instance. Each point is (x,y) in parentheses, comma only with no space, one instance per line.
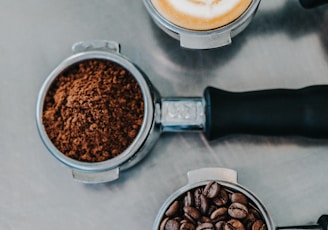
(323,222)
(308,4)
(300,112)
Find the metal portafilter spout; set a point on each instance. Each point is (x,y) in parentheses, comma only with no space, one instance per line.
(322,224)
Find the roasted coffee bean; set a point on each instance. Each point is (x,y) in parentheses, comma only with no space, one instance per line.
(163,223)
(198,192)
(192,212)
(172,224)
(256,213)
(250,217)
(219,214)
(204,205)
(222,199)
(212,189)
(187,226)
(259,225)
(188,218)
(211,209)
(249,220)
(220,225)
(234,224)
(173,209)
(204,219)
(238,210)
(205,226)
(239,198)
(189,199)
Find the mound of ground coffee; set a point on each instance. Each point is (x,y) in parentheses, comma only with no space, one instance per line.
(212,207)
(93,110)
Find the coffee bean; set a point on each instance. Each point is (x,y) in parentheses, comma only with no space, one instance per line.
(219,214)
(259,225)
(189,199)
(220,225)
(249,219)
(238,210)
(256,213)
(187,226)
(192,212)
(205,226)
(212,189)
(172,225)
(239,198)
(211,209)
(188,218)
(205,219)
(198,192)
(173,209)
(234,224)
(163,223)
(222,199)
(204,205)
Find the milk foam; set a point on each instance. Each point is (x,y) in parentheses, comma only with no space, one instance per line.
(204,8)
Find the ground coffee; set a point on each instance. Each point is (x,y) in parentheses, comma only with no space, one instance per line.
(93,110)
(212,207)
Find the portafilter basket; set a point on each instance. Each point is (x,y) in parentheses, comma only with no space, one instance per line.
(218,113)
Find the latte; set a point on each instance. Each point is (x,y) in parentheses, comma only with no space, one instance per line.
(201,14)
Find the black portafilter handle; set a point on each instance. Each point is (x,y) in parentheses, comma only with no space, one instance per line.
(322,224)
(308,4)
(279,112)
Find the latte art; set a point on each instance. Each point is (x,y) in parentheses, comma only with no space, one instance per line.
(201,14)
(204,8)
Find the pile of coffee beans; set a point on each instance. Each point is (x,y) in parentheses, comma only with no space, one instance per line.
(212,207)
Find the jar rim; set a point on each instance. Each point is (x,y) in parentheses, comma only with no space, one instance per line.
(227,185)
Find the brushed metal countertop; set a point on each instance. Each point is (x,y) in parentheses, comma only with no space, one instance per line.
(285,46)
